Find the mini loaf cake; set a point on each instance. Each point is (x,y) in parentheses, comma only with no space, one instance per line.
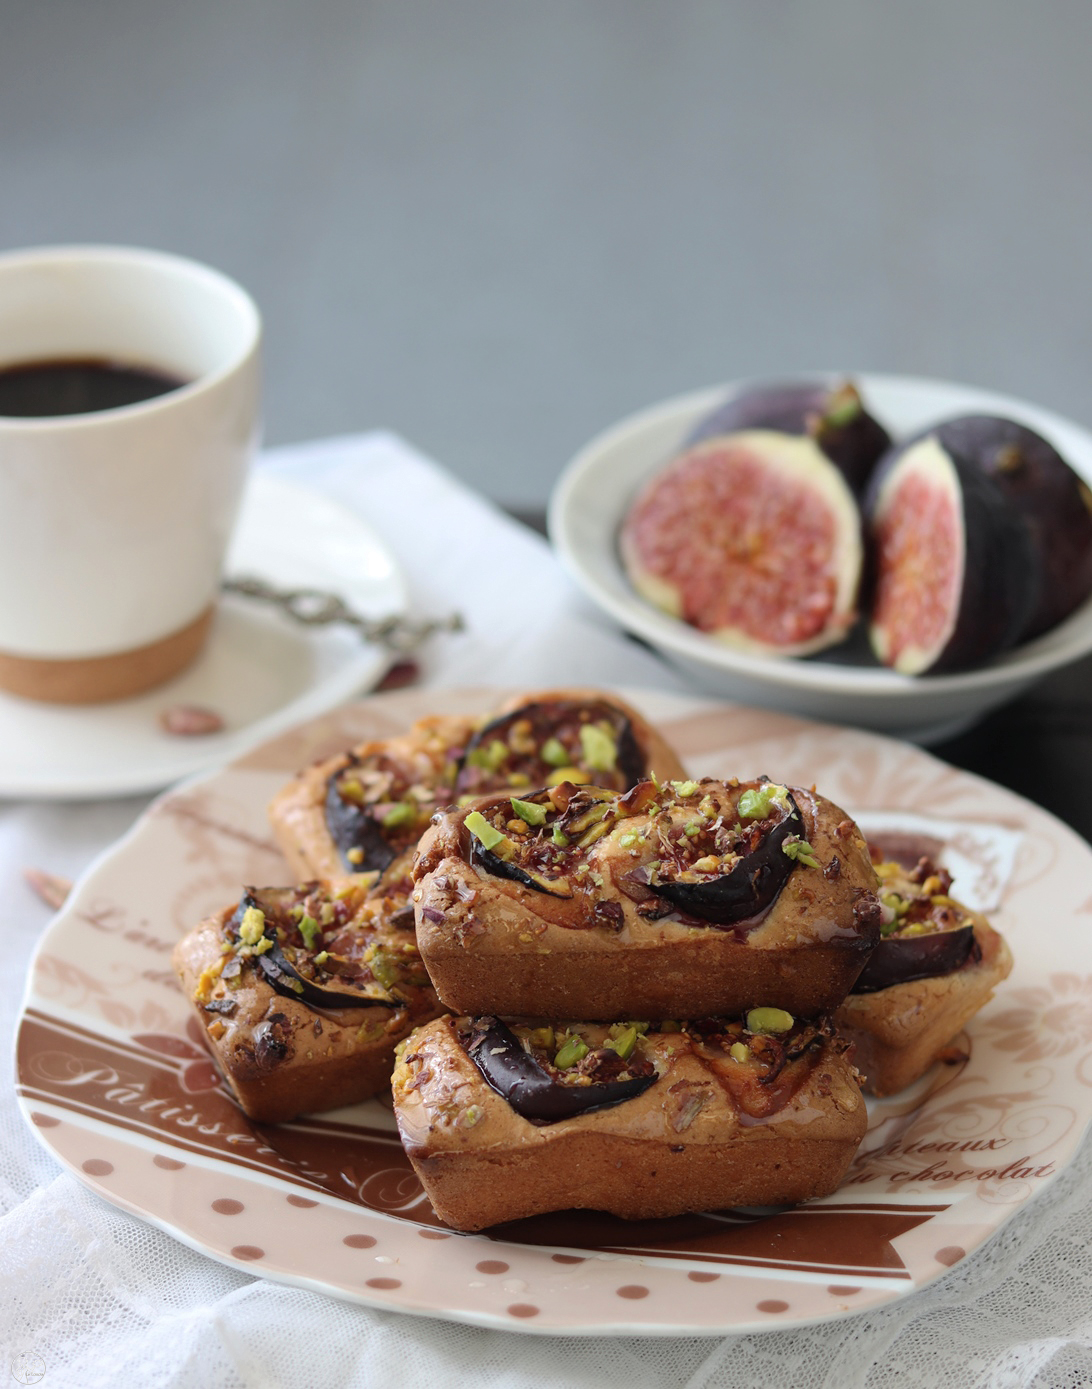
(581,736)
(362,809)
(303,993)
(672,901)
(937,963)
(506,1121)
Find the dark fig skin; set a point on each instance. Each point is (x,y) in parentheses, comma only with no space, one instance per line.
(531,1091)
(1002,578)
(900,959)
(352,828)
(282,975)
(832,415)
(482,857)
(749,888)
(1050,496)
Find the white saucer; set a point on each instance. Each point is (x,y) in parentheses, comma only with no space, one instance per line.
(261,672)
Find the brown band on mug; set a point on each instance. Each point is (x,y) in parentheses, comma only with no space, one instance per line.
(96,679)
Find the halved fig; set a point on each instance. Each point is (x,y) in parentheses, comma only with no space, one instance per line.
(752,537)
(1053,500)
(956,574)
(536,1094)
(833,415)
(899,959)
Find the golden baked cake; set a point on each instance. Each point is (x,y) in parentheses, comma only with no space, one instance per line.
(304,992)
(937,963)
(361,809)
(668,901)
(503,1121)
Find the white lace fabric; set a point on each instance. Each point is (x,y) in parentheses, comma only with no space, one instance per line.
(105,1299)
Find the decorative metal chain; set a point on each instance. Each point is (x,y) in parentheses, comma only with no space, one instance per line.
(316,608)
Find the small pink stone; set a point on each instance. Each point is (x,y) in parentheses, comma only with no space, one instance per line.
(190,721)
(50,887)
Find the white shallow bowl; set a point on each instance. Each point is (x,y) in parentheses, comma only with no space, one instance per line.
(596,489)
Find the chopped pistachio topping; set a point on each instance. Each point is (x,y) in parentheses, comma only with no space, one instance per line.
(572,1051)
(322,957)
(624,1042)
(685,788)
(739,1051)
(490,758)
(600,749)
(558,838)
(692,830)
(628,839)
(542,1037)
(769,1020)
(529,811)
(309,929)
(252,926)
(488,835)
(755,804)
(355,854)
(404,813)
(800,850)
(553,752)
(261,946)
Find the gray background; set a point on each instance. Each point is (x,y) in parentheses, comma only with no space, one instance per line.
(497,225)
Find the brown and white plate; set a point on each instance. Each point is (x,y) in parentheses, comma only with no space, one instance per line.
(113,1075)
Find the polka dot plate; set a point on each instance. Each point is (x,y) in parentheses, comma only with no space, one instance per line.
(114,1078)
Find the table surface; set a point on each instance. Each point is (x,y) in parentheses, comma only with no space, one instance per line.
(158,1313)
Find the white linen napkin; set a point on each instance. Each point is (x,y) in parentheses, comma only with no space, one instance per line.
(526,622)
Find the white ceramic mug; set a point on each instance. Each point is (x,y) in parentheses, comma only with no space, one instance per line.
(114,525)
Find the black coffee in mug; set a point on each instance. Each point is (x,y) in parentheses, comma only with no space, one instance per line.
(71,386)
